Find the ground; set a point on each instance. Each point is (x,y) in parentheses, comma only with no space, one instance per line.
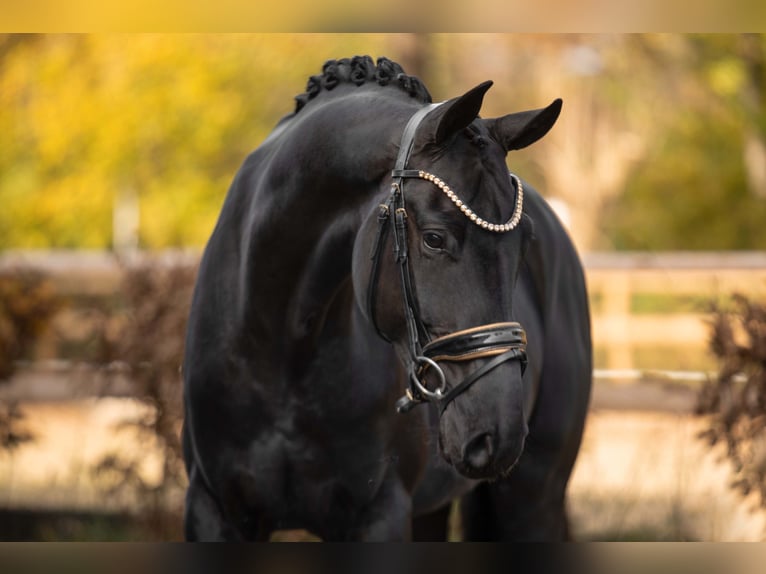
(642,473)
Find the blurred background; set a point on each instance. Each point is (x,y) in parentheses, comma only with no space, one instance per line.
(115,157)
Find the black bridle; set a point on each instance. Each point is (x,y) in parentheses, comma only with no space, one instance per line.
(499,341)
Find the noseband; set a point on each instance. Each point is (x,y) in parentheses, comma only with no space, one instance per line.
(500,342)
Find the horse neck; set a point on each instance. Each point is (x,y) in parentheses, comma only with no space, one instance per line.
(321,180)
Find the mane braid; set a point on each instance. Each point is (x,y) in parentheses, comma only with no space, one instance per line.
(360,70)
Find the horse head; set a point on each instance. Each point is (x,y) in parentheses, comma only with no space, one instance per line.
(435,268)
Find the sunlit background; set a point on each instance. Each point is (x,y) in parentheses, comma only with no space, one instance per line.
(117,149)
(660,145)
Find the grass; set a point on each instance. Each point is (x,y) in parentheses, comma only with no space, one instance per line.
(663,304)
(658,303)
(669,357)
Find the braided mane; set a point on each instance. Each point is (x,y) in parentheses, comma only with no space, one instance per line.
(360,70)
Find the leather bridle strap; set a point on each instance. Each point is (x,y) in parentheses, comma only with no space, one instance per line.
(451,395)
(501,341)
(408,136)
(415,327)
(393,212)
(384,213)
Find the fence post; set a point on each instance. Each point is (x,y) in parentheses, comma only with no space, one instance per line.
(616,309)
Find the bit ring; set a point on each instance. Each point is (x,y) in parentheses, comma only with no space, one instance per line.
(439,392)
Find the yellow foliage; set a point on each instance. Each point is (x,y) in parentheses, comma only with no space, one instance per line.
(170,116)
(727,76)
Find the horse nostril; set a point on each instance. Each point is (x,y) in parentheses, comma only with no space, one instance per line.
(478,452)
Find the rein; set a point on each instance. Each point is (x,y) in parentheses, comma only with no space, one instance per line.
(499,341)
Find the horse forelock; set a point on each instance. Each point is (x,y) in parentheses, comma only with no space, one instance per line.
(358,71)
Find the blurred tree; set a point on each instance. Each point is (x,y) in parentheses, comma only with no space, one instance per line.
(143,338)
(660,144)
(660,141)
(88,119)
(701,183)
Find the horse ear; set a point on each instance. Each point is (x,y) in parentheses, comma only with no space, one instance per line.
(516,131)
(457,113)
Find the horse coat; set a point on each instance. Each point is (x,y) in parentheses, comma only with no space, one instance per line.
(293,369)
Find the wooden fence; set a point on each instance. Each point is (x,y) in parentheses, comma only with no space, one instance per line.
(648,309)
(654,307)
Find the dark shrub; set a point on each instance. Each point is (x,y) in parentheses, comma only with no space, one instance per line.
(27,303)
(143,339)
(736,398)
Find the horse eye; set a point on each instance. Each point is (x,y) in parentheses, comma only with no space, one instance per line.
(433,240)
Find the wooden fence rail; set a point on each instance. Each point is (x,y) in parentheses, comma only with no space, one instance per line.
(645,306)
(656,305)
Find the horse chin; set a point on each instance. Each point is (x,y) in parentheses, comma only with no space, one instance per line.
(496,470)
(487,473)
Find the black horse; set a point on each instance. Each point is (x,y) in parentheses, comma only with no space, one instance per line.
(385,320)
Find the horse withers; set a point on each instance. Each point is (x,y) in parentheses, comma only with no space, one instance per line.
(385,320)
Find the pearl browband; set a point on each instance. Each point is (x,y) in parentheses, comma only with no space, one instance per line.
(512,223)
